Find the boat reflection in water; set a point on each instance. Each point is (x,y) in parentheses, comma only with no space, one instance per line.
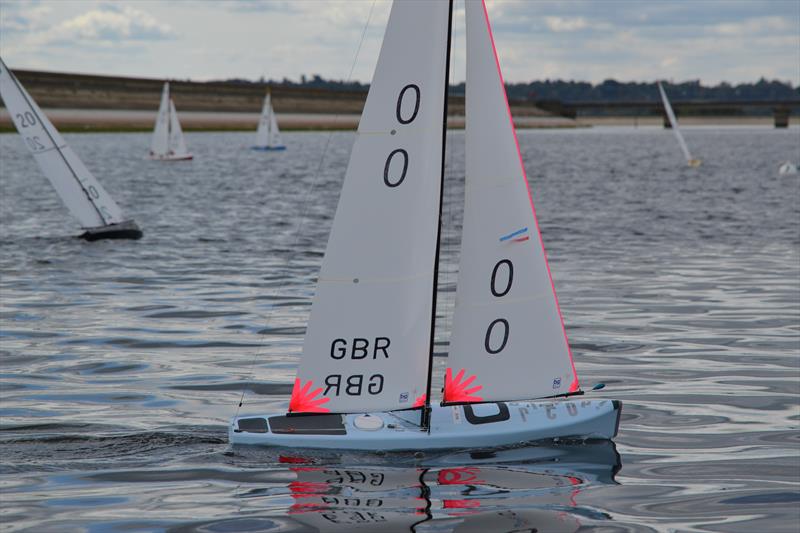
(516,489)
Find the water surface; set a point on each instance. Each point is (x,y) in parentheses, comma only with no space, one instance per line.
(121,362)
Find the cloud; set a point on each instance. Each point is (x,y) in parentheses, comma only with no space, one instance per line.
(13,19)
(559,24)
(669,62)
(112,25)
(253,6)
(756,25)
(732,40)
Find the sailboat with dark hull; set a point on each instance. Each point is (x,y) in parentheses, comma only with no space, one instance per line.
(364,380)
(80,191)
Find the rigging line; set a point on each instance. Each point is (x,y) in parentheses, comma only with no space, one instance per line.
(305,205)
(55,145)
(425,419)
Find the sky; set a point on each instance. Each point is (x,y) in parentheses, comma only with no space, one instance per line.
(587,40)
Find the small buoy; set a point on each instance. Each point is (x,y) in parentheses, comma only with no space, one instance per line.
(419,455)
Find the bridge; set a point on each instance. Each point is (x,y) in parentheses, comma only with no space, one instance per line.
(781,109)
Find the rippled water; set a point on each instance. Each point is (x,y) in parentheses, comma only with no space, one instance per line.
(121,362)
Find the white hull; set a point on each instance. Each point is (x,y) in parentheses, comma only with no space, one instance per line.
(459,426)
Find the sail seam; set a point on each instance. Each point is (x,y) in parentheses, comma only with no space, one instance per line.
(371,280)
(50,149)
(506,302)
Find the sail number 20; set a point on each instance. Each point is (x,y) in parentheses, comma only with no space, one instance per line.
(26,119)
(503,270)
(396,167)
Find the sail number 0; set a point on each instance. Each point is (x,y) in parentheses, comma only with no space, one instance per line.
(392,179)
(498,291)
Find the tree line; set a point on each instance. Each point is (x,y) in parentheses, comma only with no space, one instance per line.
(575,91)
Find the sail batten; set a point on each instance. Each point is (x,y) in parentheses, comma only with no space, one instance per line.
(80,191)
(508,340)
(367,343)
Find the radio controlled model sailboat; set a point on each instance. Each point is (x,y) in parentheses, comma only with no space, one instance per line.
(364,380)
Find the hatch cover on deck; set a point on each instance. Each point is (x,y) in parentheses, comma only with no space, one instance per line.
(308,425)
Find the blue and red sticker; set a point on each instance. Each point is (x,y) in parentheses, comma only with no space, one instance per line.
(520,235)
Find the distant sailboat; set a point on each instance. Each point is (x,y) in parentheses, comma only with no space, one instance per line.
(364,380)
(787,168)
(268,136)
(168,143)
(692,162)
(83,195)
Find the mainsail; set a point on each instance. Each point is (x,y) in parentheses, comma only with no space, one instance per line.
(508,340)
(159,144)
(79,190)
(673,121)
(268,134)
(367,346)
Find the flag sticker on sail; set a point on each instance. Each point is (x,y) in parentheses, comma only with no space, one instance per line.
(516,236)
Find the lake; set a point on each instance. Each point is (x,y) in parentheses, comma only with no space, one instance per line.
(121,362)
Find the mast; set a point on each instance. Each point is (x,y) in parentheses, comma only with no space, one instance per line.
(425,418)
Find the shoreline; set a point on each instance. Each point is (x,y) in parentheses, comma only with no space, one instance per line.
(133,121)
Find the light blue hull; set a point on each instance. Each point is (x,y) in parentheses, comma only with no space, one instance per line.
(476,426)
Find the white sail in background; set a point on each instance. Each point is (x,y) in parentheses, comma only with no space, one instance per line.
(367,345)
(274,133)
(168,142)
(177,145)
(508,339)
(159,144)
(268,135)
(673,121)
(79,190)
